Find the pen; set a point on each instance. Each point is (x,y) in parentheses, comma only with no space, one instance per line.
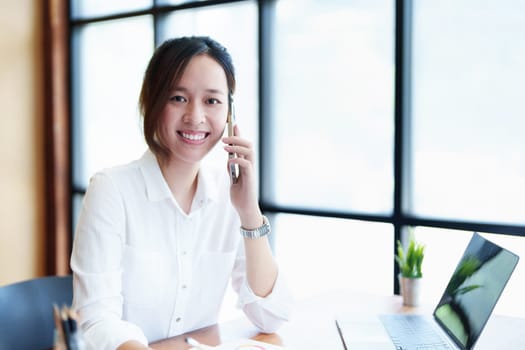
(65,327)
(75,339)
(59,330)
(196,344)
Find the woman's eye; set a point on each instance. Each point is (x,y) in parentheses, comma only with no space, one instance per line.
(178,98)
(212,101)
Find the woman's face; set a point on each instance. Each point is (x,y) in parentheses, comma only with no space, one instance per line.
(194,118)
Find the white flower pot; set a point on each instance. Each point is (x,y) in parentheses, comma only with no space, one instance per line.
(410,289)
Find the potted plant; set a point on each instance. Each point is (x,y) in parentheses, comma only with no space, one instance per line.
(409,261)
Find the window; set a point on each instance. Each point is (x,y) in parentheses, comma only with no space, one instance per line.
(331,141)
(322,254)
(468,159)
(107,70)
(107,76)
(95,8)
(368,117)
(332,96)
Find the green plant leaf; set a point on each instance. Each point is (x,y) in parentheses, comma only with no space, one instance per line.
(411,259)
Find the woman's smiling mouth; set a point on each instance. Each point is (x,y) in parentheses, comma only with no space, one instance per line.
(193,137)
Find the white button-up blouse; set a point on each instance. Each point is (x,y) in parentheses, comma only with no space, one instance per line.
(144,270)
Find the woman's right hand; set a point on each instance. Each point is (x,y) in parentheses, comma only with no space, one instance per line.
(133,345)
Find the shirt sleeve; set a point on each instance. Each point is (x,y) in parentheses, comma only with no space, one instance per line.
(97,272)
(266,313)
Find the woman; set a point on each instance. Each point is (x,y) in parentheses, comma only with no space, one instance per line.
(158,239)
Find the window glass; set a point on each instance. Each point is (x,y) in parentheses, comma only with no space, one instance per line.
(324,254)
(332,89)
(443,250)
(468,74)
(93,8)
(235,27)
(108,68)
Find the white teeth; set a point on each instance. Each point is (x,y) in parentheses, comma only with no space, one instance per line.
(193,137)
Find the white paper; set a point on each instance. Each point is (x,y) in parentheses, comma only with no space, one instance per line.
(246,344)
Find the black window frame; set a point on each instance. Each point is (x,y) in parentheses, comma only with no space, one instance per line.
(400,217)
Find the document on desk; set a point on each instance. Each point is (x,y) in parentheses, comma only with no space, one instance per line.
(245,344)
(363,332)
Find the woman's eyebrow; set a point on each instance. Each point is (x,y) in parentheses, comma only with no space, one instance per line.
(178,89)
(209,90)
(215,91)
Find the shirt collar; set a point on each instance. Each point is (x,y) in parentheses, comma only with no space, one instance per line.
(208,184)
(157,188)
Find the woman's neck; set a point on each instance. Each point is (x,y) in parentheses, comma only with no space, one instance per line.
(182,180)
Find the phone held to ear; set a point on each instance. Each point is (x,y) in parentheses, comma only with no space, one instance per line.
(234,168)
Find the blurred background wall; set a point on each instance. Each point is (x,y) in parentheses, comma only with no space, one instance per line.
(22,223)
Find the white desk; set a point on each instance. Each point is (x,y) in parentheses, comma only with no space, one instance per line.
(313,325)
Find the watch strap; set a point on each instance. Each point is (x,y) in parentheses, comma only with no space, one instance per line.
(259,231)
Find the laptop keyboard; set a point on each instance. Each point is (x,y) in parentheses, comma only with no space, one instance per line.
(413,332)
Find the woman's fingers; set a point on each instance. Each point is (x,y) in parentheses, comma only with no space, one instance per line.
(241,151)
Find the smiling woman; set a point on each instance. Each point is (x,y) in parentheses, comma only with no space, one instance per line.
(159,238)
(193,101)
(197,110)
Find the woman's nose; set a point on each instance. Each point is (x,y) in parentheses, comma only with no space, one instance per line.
(194,114)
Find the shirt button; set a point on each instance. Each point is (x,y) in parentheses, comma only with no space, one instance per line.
(177,319)
(184,252)
(184,286)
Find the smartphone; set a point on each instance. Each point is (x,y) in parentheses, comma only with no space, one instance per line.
(234,168)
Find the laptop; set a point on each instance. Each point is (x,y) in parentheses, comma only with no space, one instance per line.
(460,315)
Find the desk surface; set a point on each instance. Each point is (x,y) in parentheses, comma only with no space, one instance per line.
(313,325)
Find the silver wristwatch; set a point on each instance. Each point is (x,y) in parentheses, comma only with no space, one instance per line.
(259,231)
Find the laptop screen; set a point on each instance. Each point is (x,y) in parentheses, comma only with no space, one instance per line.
(473,290)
